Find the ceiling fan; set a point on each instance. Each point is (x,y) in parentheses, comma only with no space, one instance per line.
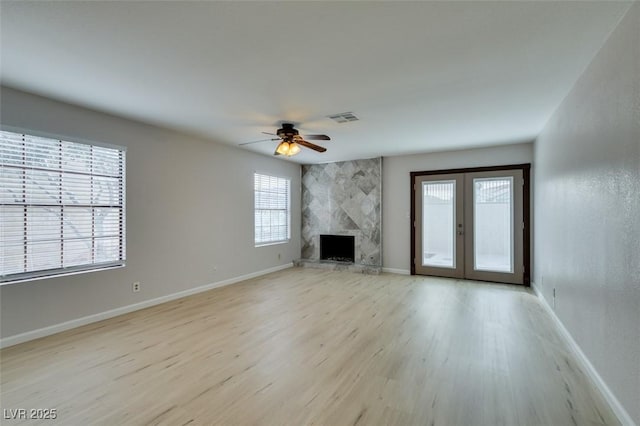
(291,141)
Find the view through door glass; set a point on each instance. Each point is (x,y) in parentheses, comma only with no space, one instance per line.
(493,222)
(438,218)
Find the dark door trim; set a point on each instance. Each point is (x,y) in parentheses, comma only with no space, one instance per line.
(526,206)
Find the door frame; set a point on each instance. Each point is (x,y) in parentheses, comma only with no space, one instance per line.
(526,209)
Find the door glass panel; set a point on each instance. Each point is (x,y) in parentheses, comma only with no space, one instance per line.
(493,224)
(438,219)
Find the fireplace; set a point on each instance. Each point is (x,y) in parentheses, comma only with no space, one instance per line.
(338,248)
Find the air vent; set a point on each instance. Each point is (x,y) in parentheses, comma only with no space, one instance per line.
(344,117)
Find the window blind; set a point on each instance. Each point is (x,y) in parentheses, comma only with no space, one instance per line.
(272,203)
(62,206)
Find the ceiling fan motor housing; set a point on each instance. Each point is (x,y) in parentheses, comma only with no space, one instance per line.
(287,132)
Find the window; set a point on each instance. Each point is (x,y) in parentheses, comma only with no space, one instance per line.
(62,207)
(272,214)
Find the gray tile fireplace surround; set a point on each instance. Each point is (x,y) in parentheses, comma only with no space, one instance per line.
(343,198)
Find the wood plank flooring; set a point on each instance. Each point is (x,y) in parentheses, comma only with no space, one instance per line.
(307,346)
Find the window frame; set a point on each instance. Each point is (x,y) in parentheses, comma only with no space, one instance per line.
(20,277)
(287,211)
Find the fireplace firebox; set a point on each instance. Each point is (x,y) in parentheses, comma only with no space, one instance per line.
(337,248)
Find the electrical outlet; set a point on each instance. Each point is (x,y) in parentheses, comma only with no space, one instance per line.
(135,287)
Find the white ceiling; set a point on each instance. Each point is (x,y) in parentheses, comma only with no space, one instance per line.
(422,76)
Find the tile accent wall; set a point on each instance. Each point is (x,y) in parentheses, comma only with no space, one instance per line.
(343,198)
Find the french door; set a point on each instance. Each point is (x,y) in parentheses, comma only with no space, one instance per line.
(472,224)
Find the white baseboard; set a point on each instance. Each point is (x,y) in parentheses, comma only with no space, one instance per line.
(67,325)
(396,271)
(618,409)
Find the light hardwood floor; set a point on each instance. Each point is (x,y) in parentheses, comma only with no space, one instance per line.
(305,346)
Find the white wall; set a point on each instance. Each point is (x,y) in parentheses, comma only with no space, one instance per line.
(587,212)
(396,194)
(189,208)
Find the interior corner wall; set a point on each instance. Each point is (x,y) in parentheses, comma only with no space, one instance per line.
(189,211)
(587,212)
(396,191)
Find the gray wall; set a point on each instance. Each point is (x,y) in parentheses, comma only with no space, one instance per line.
(587,211)
(396,194)
(189,208)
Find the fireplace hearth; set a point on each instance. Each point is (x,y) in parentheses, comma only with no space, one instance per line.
(337,248)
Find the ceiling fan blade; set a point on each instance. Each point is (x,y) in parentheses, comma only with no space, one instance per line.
(317,137)
(267,133)
(310,145)
(261,140)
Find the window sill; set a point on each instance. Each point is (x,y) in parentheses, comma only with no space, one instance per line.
(273,243)
(62,274)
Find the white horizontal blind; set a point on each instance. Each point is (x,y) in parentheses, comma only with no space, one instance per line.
(62,206)
(272,215)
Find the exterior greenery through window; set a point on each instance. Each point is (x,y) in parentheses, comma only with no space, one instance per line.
(272,209)
(62,206)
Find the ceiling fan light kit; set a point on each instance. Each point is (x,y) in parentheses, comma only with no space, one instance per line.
(288,149)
